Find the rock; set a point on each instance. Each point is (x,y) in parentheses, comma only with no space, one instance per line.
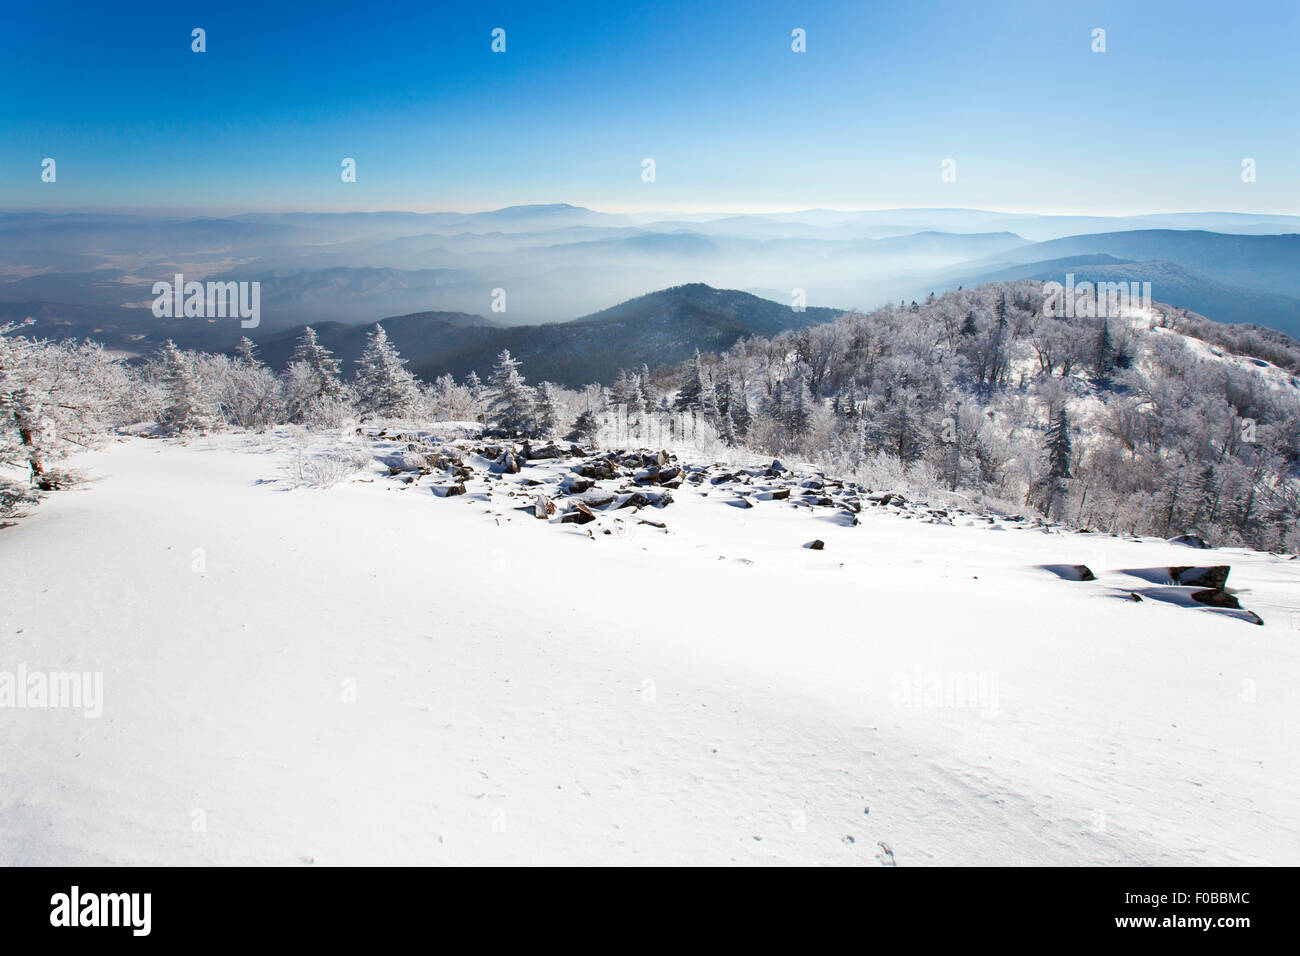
(779,494)
(598,469)
(572,485)
(1213,577)
(1085,572)
(580,514)
(719,479)
(816,544)
(654,524)
(593,498)
(655,475)
(646,499)
(1190,540)
(1135,598)
(1216,597)
(449,491)
(545,452)
(507,464)
(543,507)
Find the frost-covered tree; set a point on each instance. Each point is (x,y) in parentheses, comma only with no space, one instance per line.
(584,427)
(188,407)
(690,397)
(513,399)
(384,386)
(636,407)
(1056,452)
(56,398)
(1103,352)
(246,352)
(322,367)
(546,410)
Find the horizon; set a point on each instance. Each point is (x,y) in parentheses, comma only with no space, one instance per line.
(231,213)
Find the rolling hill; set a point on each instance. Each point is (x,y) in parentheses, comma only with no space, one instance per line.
(656,329)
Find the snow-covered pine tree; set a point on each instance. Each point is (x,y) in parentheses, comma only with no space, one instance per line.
(477,396)
(648,397)
(691,394)
(584,427)
(246,352)
(187,408)
(635,400)
(622,387)
(546,411)
(797,409)
(1103,352)
(741,416)
(513,402)
(1056,449)
(385,386)
(727,429)
(322,366)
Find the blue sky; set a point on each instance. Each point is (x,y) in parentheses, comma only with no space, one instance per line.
(734,119)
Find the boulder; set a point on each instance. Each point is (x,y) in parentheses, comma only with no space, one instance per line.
(1216,597)
(449,491)
(573,485)
(598,469)
(543,507)
(593,498)
(1190,540)
(646,499)
(817,544)
(1213,577)
(580,514)
(507,464)
(545,452)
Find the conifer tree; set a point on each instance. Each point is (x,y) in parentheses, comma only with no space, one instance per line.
(323,368)
(384,385)
(513,402)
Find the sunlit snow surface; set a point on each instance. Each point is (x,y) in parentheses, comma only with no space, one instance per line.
(376,674)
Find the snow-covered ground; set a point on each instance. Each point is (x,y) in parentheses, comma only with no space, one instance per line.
(376,674)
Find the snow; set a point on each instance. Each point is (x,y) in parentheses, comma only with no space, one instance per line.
(374,674)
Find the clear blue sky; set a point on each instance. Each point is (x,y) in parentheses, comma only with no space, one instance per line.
(712,91)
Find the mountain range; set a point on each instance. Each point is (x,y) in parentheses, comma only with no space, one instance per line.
(663,327)
(83,274)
